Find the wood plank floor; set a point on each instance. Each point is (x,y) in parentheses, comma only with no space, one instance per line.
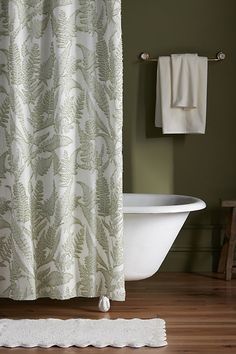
(199,309)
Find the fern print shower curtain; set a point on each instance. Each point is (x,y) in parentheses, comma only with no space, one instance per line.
(61,149)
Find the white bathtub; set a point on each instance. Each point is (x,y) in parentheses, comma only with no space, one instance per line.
(151,224)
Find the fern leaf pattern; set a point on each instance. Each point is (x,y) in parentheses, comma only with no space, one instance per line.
(60,149)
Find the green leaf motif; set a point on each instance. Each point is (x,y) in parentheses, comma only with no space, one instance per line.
(5,206)
(3,168)
(42,165)
(4,112)
(56,278)
(22,209)
(49,204)
(4,224)
(55,142)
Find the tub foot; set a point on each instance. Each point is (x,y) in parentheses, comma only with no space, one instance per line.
(104,304)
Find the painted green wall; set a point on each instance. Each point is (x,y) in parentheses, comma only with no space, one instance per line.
(198,165)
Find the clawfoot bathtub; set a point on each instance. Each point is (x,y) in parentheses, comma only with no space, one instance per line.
(151,224)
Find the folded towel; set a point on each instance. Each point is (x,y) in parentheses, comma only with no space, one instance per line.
(175,120)
(184,80)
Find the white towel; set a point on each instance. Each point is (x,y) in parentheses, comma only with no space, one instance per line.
(175,120)
(184,80)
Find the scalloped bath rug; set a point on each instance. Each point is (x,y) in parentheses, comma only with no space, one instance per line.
(82,333)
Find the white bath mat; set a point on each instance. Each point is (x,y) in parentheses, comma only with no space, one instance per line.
(82,332)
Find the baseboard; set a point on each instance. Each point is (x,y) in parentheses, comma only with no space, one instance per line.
(196,249)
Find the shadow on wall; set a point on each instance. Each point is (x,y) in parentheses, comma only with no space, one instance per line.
(146,101)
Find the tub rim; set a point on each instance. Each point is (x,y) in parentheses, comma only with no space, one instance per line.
(194,204)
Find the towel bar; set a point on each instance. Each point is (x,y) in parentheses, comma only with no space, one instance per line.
(146,57)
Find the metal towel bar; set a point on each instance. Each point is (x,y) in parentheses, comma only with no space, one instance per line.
(146,57)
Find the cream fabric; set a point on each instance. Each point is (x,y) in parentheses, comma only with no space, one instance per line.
(61,149)
(184,80)
(176,120)
(83,332)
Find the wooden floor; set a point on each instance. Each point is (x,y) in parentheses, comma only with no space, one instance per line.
(199,309)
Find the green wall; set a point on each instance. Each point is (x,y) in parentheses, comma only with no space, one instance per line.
(198,165)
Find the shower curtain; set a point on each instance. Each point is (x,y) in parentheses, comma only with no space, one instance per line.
(61,149)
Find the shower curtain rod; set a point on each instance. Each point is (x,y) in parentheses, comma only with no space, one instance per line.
(146,57)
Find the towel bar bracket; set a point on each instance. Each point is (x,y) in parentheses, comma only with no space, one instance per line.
(146,57)
(220,56)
